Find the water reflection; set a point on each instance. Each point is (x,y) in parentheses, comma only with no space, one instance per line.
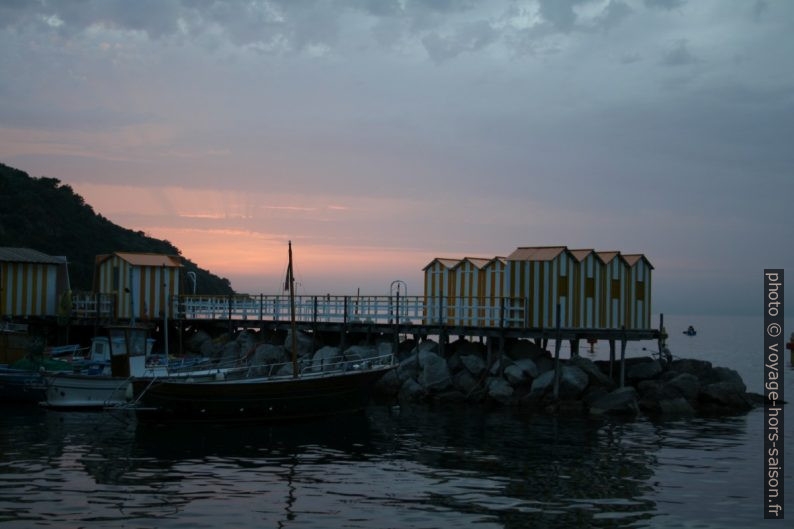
(406,467)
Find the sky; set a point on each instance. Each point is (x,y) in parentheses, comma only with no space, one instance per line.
(379,134)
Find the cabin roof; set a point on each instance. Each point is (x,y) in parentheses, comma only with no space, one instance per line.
(607,257)
(445,261)
(144,259)
(581,254)
(28,255)
(633,258)
(478,262)
(536,253)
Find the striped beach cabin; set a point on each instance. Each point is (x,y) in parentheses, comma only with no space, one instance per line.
(614,287)
(587,291)
(440,290)
(31,283)
(141,283)
(639,301)
(537,278)
(472,288)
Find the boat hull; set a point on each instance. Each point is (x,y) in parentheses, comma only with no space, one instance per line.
(75,391)
(256,399)
(17,385)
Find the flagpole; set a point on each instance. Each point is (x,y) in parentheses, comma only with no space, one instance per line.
(293,326)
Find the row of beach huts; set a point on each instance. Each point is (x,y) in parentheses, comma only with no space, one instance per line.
(34,284)
(594,289)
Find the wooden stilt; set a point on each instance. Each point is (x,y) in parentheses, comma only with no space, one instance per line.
(611,357)
(557,343)
(623,361)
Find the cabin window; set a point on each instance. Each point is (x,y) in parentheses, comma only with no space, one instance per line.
(615,288)
(562,286)
(589,287)
(116,278)
(640,291)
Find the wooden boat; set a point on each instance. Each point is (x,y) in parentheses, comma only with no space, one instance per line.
(312,391)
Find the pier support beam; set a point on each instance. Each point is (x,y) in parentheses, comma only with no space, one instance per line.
(611,358)
(623,361)
(574,347)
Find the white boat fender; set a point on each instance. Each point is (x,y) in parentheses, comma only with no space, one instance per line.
(220,376)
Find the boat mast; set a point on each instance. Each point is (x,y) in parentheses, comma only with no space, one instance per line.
(293,326)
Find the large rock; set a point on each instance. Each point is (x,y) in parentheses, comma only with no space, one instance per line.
(542,384)
(473,364)
(595,375)
(427,346)
(676,407)
(389,384)
(210,349)
(499,390)
(528,366)
(573,382)
(360,352)
(304,342)
(464,347)
(515,375)
(648,369)
(434,375)
(411,391)
(544,364)
(524,349)
(454,364)
(686,385)
(269,354)
(195,342)
(326,359)
(723,374)
(699,368)
(465,382)
(450,396)
(408,368)
(622,401)
(230,352)
(724,396)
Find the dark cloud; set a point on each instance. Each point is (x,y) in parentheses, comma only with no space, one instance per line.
(679,55)
(559,13)
(665,4)
(470,38)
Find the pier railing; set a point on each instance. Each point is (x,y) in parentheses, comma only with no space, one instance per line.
(420,310)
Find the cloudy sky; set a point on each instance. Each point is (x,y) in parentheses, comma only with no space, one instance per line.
(377,134)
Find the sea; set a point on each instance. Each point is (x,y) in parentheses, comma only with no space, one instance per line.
(406,466)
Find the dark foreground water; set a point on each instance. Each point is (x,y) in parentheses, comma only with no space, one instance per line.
(391,467)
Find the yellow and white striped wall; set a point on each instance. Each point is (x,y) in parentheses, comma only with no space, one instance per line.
(639,292)
(142,285)
(587,290)
(535,286)
(29,289)
(440,284)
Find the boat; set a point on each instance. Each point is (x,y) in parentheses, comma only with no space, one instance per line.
(309,391)
(104,378)
(690,331)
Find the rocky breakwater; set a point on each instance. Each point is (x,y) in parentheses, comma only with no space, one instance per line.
(524,377)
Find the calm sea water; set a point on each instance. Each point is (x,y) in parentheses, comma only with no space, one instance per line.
(401,467)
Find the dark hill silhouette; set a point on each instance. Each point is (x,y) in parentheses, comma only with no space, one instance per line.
(46,215)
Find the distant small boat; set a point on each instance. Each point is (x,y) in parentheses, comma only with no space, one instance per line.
(690,331)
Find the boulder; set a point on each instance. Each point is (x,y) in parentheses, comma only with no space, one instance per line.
(524,349)
(427,346)
(411,391)
(515,375)
(465,382)
(389,384)
(498,367)
(304,342)
(230,352)
(650,368)
(360,352)
(593,393)
(464,347)
(195,342)
(622,401)
(499,390)
(269,354)
(385,349)
(573,382)
(542,384)
(593,372)
(434,375)
(544,364)
(528,366)
(454,364)
(676,407)
(209,349)
(326,358)
(474,364)
(408,368)
(685,384)
(725,395)
(723,374)
(699,368)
